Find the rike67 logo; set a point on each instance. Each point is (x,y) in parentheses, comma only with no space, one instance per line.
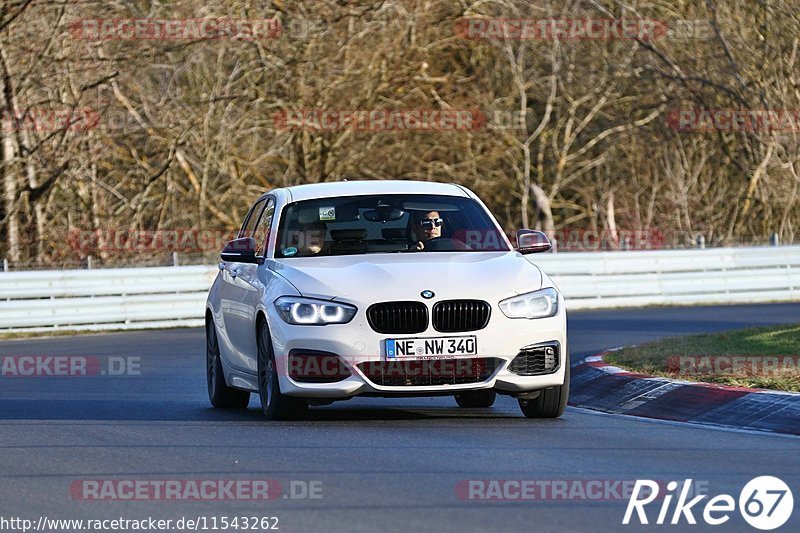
(765,503)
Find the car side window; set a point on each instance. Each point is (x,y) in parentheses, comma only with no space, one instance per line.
(252,217)
(261,232)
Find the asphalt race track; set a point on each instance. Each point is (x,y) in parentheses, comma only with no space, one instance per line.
(383,464)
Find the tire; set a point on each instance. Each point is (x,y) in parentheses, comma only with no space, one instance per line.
(274,404)
(476,398)
(550,403)
(220,395)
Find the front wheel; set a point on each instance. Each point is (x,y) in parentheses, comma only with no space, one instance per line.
(274,403)
(219,393)
(550,403)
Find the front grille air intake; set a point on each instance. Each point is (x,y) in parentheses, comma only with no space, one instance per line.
(452,316)
(535,360)
(313,366)
(398,317)
(426,372)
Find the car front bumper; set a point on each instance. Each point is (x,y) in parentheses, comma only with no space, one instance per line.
(356,343)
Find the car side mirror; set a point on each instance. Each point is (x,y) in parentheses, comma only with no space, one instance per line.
(530,241)
(240,251)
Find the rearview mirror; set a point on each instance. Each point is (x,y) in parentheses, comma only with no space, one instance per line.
(530,241)
(383,214)
(240,251)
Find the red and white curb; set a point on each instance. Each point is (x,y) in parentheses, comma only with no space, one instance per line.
(602,387)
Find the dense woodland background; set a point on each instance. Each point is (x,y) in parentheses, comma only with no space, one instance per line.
(181,133)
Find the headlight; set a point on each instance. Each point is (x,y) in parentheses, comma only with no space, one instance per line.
(308,312)
(538,304)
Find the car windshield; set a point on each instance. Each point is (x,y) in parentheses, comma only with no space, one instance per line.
(386,224)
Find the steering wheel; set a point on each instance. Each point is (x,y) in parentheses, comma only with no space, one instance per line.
(444,244)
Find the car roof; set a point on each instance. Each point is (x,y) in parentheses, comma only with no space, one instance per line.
(366,187)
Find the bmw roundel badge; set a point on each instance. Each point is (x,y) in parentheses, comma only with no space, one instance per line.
(427,294)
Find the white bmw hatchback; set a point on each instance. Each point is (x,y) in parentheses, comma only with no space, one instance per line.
(382,288)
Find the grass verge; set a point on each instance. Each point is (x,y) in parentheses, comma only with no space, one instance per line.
(762,357)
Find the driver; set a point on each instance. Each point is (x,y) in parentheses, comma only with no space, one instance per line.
(427,227)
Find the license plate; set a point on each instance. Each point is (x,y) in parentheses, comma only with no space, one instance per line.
(431,348)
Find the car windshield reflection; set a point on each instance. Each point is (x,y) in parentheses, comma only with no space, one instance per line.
(386,224)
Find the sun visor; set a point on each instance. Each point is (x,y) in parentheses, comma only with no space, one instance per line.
(429,206)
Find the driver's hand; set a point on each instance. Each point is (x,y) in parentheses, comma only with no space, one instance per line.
(420,245)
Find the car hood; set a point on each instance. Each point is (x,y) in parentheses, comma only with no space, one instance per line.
(403,276)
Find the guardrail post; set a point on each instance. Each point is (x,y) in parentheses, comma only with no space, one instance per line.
(174,258)
(88,262)
(701,242)
(554,247)
(774,240)
(5,264)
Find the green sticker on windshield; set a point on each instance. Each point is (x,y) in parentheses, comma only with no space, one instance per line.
(327,213)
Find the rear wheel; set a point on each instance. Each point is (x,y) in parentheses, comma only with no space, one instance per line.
(550,403)
(219,393)
(476,398)
(274,403)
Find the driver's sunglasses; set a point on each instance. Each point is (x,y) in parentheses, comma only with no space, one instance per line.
(430,223)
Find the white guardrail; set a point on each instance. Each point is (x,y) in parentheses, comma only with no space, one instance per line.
(137,298)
